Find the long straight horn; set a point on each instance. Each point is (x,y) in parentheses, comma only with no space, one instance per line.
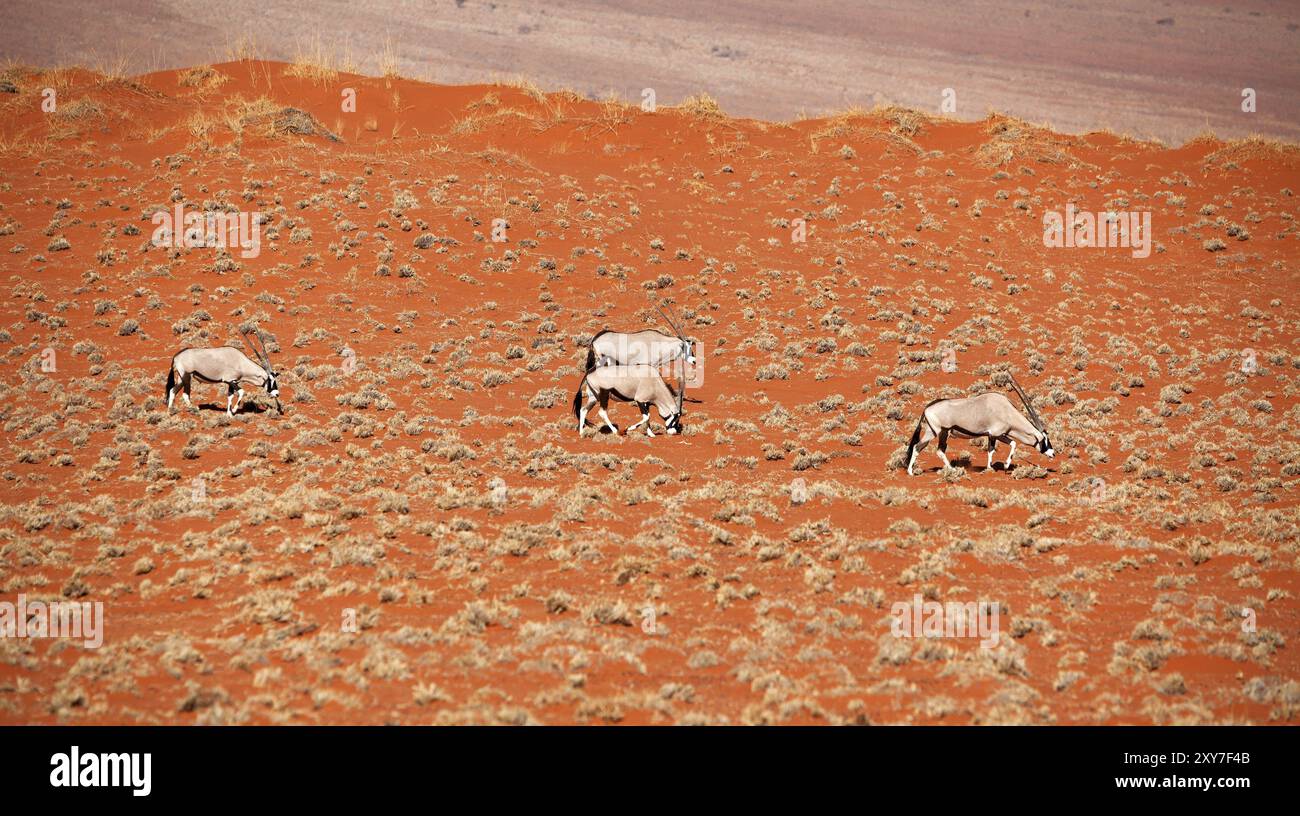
(676,330)
(248,344)
(258,348)
(261,344)
(674,313)
(681,391)
(1033,415)
(680,333)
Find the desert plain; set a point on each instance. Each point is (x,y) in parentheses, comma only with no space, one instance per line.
(423,537)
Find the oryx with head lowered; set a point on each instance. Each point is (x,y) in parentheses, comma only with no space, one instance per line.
(649,347)
(224,365)
(641,384)
(988,415)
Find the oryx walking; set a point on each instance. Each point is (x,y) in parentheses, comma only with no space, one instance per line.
(988,415)
(223,365)
(648,347)
(641,384)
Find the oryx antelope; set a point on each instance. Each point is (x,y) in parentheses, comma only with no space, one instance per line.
(641,384)
(649,347)
(988,415)
(223,365)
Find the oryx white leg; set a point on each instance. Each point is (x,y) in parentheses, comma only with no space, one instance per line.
(942,447)
(1011,454)
(604,403)
(645,418)
(171,396)
(239,400)
(185,391)
(605,417)
(229,399)
(993,443)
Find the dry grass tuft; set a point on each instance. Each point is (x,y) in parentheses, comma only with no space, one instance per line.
(1251,148)
(902,121)
(855,122)
(1017,140)
(300,123)
(241,49)
(314,62)
(84,108)
(522,83)
(701,106)
(388,61)
(274,119)
(112,69)
(203,77)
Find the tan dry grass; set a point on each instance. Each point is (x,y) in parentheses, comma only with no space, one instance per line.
(315,62)
(1251,148)
(701,106)
(1015,139)
(202,77)
(241,48)
(388,61)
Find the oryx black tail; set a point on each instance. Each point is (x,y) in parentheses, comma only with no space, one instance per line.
(577,398)
(916,437)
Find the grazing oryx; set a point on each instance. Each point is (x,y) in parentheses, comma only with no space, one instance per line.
(223,365)
(647,347)
(989,415)
(641,384)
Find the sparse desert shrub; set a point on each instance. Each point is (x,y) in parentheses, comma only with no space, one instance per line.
(772,371)
(547,398)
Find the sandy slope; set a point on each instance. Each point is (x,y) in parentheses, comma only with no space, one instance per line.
(1122,566)
(1170,70)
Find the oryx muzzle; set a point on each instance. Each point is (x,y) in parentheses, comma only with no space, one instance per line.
(641,384)
(226,365)
(988,415)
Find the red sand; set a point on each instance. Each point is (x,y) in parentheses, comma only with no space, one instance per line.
(1121,567)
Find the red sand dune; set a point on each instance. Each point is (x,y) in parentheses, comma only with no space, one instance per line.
(1122,567)
(1168,70)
